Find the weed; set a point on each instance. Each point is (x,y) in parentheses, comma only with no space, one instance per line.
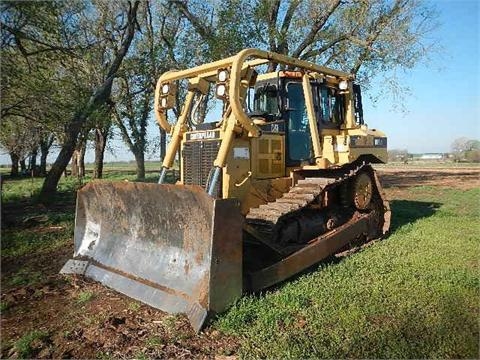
(25,277)
(104,355)
(134,306)
(153,342)
(4,306)
(24,345)
(95,318)
(140,356)
(84,297)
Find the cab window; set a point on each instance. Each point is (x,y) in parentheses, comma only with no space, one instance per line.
(266,100)
(330,106)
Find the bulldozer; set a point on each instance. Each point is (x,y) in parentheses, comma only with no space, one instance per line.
(280,181)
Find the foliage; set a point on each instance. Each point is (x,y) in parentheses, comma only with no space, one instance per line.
(363,37)
(60,58)
(17,137)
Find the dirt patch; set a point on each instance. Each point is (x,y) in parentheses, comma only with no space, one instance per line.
(467,178)
(103,323)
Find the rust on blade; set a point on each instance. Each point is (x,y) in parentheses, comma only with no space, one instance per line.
(143,281)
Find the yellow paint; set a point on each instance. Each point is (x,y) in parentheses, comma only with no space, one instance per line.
(253,162)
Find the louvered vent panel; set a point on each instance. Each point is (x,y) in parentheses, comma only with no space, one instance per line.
(198,158)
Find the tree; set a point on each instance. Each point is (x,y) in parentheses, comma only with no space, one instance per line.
(136,84)
(19,140)
(56,38)
(39,45)
(398,155)
(363,37)
(465,149)
(46,142)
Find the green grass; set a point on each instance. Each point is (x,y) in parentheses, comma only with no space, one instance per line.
(25,277)
(134,306)
(24,345)
(28,241)
(413,295)
(84,297)
(4,306)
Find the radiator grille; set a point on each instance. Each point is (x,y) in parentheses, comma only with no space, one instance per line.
(198,158)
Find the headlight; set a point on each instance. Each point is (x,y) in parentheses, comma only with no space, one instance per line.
(343,85)
(221,90)
(222,75)
(165,88)
(163,102)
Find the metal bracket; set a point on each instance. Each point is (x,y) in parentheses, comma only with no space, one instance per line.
(74,267)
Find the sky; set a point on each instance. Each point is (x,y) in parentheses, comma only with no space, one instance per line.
(443,102)
(444,99)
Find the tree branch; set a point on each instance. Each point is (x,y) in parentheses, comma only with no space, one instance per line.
(203,30)
(375,30)
(316,27)
(283,44)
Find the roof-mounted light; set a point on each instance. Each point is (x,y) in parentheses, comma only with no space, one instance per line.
(221,91)
(222,75)
(343,85)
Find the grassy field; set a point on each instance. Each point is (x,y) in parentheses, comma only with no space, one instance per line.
(413,295)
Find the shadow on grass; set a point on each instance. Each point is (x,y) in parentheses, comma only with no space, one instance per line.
(407,212)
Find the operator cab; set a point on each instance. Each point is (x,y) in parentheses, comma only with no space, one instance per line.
(280,102)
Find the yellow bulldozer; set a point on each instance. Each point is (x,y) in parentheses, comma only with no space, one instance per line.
(282,180)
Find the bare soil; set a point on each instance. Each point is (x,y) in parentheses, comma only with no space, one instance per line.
(402,177)
(82,319)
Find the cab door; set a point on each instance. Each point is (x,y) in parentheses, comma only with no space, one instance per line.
(298,139)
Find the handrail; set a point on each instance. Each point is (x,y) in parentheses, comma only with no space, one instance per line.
(238,63)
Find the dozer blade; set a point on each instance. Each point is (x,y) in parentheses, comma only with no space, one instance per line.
(170,246)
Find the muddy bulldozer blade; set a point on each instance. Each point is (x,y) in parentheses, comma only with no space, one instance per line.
(172,247)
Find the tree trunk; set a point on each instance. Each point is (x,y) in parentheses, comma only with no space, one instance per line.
(45,145)
(78,158)
(81,159)
(100,144)
(140,160)
(23,166)
(58,167)
(43,162)
(99,97)
(74,162)
(14,169)
(32,162)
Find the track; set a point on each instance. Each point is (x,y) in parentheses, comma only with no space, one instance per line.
(320,202)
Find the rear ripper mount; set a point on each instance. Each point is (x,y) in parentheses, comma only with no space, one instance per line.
(196,266)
